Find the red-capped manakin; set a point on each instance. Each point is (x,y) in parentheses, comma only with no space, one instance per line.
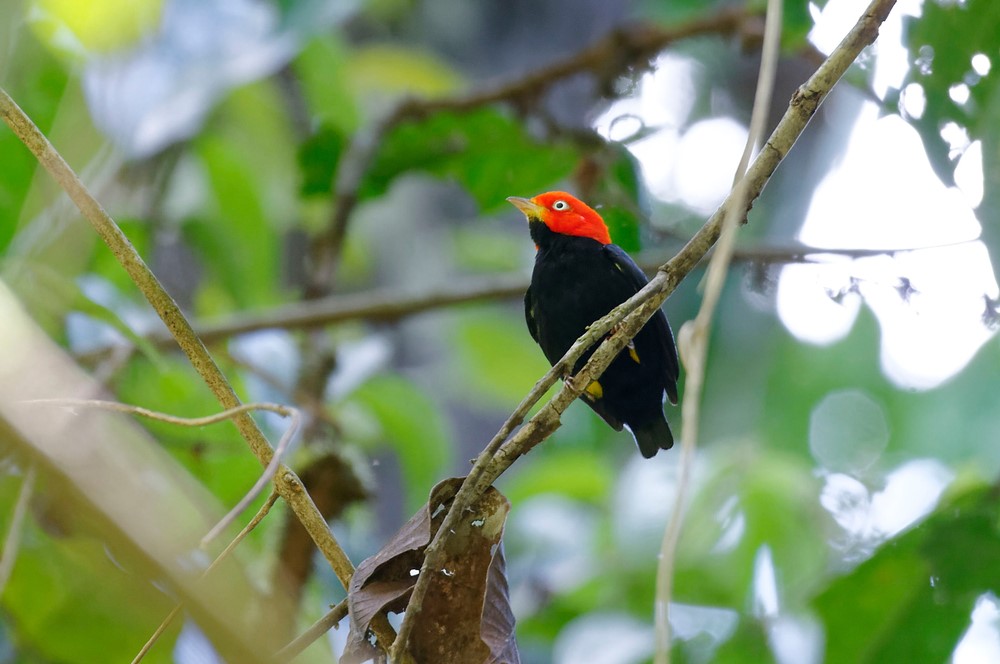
(580,276)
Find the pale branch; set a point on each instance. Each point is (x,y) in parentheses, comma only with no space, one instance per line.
(286,481)
(628,318)
(315,631)
(263,480)
(693,338)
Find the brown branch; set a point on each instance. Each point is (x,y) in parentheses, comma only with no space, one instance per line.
(228,414)
(390,305)
(692,339)
(634,313)
(378,306)
(287,483)
(334,486)
(606,59)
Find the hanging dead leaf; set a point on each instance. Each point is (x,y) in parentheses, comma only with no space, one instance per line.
(466,616)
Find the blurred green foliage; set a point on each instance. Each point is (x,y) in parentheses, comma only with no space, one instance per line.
(240,196)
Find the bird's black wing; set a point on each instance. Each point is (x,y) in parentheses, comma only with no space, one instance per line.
(637,279)
(529,315)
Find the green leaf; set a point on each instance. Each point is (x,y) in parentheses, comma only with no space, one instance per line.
(110,317)
(939,62)
(776,506)
(487,152)
(413,426)
(796,23)
(214,454)
(385,69)
(69,586)
(237,245)
(318,159)
(913,599)
(38,88)
(748,644)
(677,10)
(102,27)
(622,192)
(323,71)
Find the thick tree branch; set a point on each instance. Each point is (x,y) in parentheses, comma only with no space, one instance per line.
(634,313)
(287,483)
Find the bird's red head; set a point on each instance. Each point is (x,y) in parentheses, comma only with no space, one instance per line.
(565,214)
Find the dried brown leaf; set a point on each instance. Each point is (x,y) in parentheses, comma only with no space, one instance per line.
(466,616)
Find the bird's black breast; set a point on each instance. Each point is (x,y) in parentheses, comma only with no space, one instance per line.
(578,280)
(572,285)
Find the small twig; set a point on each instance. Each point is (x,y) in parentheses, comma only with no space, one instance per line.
(638,309)
(265,477)
(295,647)
(157,633)
(313,406)
(254,522)
(262,481)
(12,542)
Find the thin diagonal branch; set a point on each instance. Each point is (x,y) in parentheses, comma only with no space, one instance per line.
(285,480)
(254,522)
(228,414)
(634,313)
(315,631)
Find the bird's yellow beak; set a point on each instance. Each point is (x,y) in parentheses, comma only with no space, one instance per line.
(530,209)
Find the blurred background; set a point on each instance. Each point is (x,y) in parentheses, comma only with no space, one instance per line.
(845,505)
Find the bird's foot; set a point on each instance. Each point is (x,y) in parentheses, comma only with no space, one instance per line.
(576,382)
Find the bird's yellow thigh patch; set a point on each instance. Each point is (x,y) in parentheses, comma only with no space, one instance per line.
(595,390)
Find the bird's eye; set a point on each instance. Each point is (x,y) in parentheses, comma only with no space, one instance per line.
(559,206)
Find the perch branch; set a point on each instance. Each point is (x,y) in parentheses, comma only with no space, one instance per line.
(636,311)
(262,481)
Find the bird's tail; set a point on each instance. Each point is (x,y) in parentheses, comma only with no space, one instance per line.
(653,436)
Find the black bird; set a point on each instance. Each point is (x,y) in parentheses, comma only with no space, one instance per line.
(580,276)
